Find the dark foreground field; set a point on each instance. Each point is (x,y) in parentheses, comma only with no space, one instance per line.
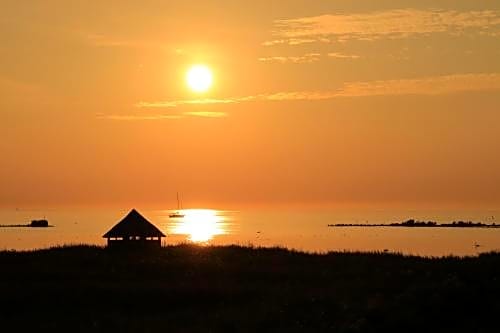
(214,289)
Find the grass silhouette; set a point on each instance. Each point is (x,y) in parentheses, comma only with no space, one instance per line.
(188,288)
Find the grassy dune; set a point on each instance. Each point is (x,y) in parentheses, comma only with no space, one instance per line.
(226,289)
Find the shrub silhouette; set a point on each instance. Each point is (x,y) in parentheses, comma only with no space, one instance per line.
(225,289)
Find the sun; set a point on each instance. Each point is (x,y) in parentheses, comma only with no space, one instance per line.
(199,78)
(201,225)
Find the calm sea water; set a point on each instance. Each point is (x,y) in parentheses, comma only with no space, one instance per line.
(302,230)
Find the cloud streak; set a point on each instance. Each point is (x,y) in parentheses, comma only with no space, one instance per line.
(295,41)
(438,85)
(306,58)
(343,55)
(171,116)
(391,24)
(135,117)
(204,101)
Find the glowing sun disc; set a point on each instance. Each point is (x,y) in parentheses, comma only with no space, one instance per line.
(199,78)
(201,225)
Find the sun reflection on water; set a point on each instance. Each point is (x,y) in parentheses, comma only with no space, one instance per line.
(200,225)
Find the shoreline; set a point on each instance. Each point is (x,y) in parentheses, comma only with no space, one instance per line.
(421,224)
(341,225)
(25,226)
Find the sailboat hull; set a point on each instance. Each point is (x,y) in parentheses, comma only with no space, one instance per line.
(177,214)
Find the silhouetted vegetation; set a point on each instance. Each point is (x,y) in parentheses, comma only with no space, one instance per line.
(226,289)
(33,224)
(422,224)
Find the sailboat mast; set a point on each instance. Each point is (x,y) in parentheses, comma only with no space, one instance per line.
(178,204)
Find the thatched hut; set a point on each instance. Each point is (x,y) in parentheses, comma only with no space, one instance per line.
(134,231)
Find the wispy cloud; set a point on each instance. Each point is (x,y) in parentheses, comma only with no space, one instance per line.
(306,58)
(169,116)
(343,55)
(295,41)
(425,86)
(437,85)
(203,101)
(135,117)
(398,23)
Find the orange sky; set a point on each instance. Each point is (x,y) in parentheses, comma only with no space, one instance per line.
(314,103)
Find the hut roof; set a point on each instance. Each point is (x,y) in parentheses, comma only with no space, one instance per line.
(134,224)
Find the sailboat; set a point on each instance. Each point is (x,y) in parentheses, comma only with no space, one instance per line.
(177,214)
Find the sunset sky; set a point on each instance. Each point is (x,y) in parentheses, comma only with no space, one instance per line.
(313,103)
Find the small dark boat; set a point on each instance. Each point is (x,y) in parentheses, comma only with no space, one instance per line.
(39,224)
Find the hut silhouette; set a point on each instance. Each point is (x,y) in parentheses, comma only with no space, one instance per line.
(134,231)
